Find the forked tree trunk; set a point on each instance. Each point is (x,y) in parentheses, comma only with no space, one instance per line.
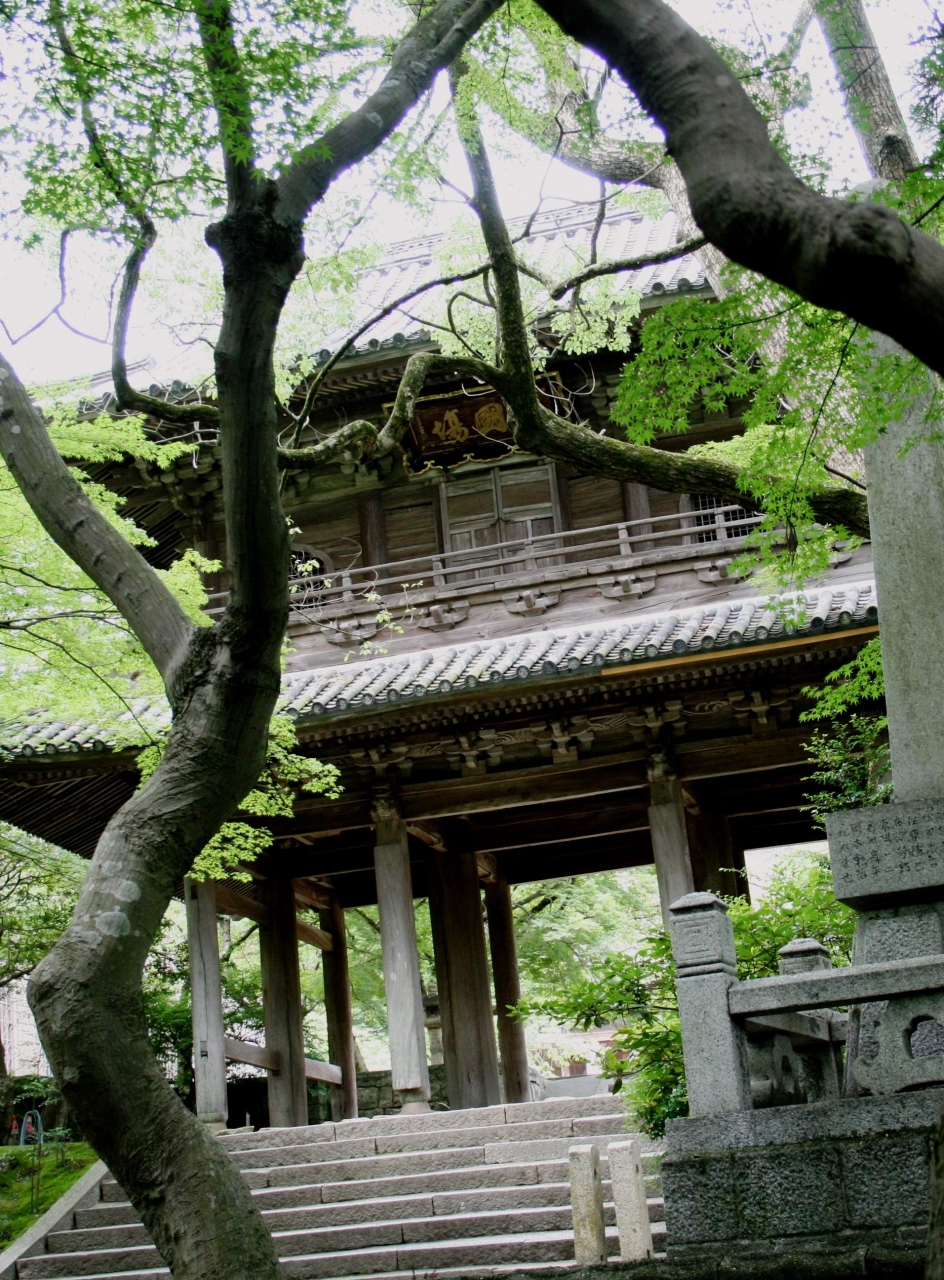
(86,994)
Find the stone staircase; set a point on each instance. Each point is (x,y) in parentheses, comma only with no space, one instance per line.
(446,1194)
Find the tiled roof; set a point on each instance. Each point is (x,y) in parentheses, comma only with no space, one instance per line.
(559,242)
(539,655)
(39,737)
(357,686)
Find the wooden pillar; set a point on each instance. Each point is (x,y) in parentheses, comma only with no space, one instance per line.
(516,1073)
(401,964)
(282,1005)
(669,831)
(636,507)
(465,1000)
(206,1001)
(337,988)
(712,854)
(372,528)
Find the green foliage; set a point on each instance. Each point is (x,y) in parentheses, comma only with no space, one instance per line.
(20,1205)
(65,653)
(852,757)
(285,773)
(637,992)
(855,682)
(853,766)
(39,886)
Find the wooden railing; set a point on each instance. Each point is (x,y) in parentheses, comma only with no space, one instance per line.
(655,538)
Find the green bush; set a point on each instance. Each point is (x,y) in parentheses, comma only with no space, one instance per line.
(636,993)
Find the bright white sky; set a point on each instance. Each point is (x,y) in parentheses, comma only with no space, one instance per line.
(31,286)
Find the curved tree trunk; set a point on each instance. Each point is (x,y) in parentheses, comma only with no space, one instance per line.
(86,994)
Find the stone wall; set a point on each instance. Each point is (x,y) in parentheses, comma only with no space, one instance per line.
(375,1092)
(849,1176)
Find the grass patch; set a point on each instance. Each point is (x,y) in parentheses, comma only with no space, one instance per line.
(33,1178)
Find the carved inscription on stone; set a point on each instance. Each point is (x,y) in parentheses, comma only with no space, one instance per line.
(888,849)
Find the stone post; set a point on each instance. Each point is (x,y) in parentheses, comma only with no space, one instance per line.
(401,966)
(906,514)
(629,1198)
(465,1001)
(282,1004)
(715,1047)
(586,1198)
(516,1071)
(206,1002)
(669,833)
(338,1010)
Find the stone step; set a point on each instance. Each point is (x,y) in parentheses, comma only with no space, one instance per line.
(504,1251)
(388,1165)
(82,1252)
(105,1214)
(461,1177)
(303,1152)
(448,1206)
(82,1263)
(433,1121)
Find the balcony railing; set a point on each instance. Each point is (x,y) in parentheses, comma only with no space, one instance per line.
(522,560)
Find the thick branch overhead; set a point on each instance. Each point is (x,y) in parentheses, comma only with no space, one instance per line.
(857,258)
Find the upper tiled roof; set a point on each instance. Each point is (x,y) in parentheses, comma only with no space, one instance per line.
(539,655)
(357,686)
(559,242)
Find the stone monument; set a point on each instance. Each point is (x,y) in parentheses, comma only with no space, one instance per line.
(811,1130)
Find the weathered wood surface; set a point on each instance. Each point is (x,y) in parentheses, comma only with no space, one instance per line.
(338,1008)
(206,1001)
(282,1005)
(512,1044)
(400,962)
(465,1001)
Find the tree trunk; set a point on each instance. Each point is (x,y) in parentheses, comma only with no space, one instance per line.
(86,994)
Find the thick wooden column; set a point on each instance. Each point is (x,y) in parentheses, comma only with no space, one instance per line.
(372,527)
(340,1016)
(282,1005)
(712,854)
(670,848)
(401,964)
(516,1074)
(206,1001)
(465,1000)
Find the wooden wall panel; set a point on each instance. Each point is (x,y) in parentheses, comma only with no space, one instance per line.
(594,500)
(410,522)
(336,531)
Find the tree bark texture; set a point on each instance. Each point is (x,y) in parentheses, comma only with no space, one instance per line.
(857,258)
(222,681)
(873,107)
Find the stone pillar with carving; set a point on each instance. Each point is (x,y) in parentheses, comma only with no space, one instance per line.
(715,1047)
(403,991)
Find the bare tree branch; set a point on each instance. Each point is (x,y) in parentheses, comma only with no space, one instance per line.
(432,44)
(542,432)
(84,534)
(857,258)
(597,269)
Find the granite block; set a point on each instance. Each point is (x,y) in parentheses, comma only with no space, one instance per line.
(700,1199)
(887,1181)
(788,1191)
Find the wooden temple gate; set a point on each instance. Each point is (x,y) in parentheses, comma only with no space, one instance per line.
(577,678)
